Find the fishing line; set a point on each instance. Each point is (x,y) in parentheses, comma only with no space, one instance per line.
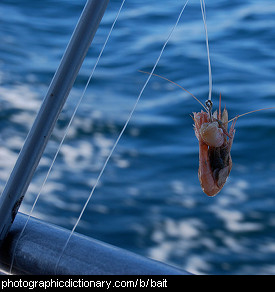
(203,12)
(120,135)
(66,132)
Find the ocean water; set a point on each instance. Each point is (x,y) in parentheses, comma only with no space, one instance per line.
(149,199)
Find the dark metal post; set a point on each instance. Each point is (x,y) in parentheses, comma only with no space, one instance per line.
(47,116)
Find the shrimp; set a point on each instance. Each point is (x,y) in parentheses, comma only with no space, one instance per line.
(215,162)
(215,143)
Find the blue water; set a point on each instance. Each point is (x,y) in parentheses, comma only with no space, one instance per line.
(149,199)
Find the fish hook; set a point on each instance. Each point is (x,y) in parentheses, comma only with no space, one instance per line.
(209,105)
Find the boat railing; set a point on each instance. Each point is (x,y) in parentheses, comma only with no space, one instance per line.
(40,246)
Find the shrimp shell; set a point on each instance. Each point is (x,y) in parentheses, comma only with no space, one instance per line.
(215,144)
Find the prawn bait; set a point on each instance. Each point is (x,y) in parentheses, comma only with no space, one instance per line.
(215,142)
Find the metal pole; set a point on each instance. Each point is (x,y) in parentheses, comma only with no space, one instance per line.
(39,249)
(47,116)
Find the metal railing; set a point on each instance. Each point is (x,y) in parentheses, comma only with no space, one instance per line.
(40,246)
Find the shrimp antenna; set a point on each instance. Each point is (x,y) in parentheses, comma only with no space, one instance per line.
(262,109)
(176,85)
(238,116)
